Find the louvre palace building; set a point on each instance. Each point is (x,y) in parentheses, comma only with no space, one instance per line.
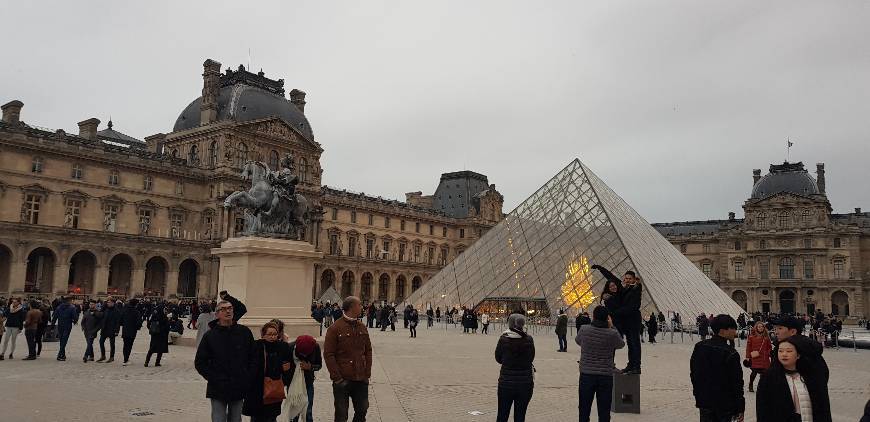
(790,253)
(100,212)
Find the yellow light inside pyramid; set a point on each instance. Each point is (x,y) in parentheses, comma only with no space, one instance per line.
(577,283)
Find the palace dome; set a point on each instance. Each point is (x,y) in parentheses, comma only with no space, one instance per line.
(787,177)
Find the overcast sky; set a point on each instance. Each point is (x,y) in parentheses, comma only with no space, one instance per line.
(672,103)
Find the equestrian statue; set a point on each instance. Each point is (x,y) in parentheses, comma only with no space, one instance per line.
(273,208)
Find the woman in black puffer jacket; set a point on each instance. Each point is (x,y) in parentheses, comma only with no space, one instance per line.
(516,381)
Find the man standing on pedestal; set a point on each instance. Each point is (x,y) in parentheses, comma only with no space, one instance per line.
(347,352)
(627,314)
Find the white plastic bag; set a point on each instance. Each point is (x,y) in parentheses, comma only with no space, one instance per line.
(296,402)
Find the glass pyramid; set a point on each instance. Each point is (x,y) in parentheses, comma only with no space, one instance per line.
(539,258)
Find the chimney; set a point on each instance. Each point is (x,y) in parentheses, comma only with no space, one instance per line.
(12,111)
(820,177)
(731,216)
(756,176)
(857,211)
(211,76)
(88,128)
(155,142)
(297,97)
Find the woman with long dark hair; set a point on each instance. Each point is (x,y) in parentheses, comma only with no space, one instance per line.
(758,347)
(610,298)
(791,391)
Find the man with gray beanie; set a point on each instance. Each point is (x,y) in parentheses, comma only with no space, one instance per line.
(515,352)
(598,342)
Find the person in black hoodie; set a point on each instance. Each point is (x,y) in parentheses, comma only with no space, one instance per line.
(225,358)
(131,322)
(626,313)
(111,325)
(239,308)
(791,388)
(516,381)
(717,378)
(272,359)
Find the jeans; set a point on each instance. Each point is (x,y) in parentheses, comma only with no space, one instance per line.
(355,391)
(63,336)
(309,413)
(11,335)
(632,339)
(413,329)
(40,333)
(518,395)
(30,336)
(222,411)
(598,387)
(563,341)
(89,351)
(710,415)
(128,347)
(103,346)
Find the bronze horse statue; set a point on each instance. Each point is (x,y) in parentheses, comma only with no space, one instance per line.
(271,214)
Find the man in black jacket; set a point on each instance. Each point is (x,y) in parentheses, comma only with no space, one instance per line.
(627,314)
(717,378)
(239,309)
(225,358)
(111,325)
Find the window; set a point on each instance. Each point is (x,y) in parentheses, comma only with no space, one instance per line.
(444,232)
(145,220)
(462,233)
(430,256)
(783,221)
(148,183)
(241,154)
(764,269)
(385,252)
(402,225)
(353,217)
(335,214)
(762,244)
(442,257)
(351,245)
(417,253)
(808,243)
(837,242)
(809,269)
(77,171)
(175,221)
(207,223)
(387,222)
(370,247)
(333,244)
(402,247)
(179,188)
(738,270)
(786,268)
(838,269)
(36,165)
(737,245)
(684,248)
(213,154)
(431,230)
(303,170)
(417,227)
(31,208)
(73,211)
(113,177)
(707,268)
(110,218)
(805,218)
(371,219)
(707,248)
(761,221)
(273,160)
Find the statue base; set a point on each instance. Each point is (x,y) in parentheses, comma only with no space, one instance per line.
(274,278)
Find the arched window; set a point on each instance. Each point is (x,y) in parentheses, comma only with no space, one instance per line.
(213,154)
(241,154)
(303,170)
(273,160)
(786,268)
(193,156)
(761,221)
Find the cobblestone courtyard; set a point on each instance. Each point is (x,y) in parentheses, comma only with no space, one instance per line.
(442,375)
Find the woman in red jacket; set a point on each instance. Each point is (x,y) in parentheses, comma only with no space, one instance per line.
(758,348)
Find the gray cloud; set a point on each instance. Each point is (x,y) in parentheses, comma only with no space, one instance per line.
(672,103)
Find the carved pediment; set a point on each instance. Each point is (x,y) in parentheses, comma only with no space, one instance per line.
(113,200)
(277,128)
(147,204)
(78,195)
(35,188)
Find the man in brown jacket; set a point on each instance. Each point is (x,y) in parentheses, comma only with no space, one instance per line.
(347,352)
(31,324)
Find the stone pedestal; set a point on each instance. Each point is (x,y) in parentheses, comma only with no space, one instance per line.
(273,278)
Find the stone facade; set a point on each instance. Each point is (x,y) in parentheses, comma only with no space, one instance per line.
(790,253)
(101,212)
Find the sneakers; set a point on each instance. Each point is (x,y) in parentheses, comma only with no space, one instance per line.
(61,359)
(125,363)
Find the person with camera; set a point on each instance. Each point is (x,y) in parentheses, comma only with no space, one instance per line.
(758,348)
(598,341)
(717,378)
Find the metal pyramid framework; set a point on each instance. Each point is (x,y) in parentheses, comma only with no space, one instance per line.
(539,257)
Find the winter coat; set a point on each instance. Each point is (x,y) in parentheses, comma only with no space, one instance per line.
(275,354)
(92,322)
(65,316)
(703,326)
(225,358)
(763,346)
(629,306)
(32,319)
(131,322)
(652,326)
(15,317)
(111,321)
(160,340)
(515,352)
(562,325)
(717,377)
(413,317)
(598,344)
(347,351)
(811,354)
(581,321)
(774,395)
(314,359)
